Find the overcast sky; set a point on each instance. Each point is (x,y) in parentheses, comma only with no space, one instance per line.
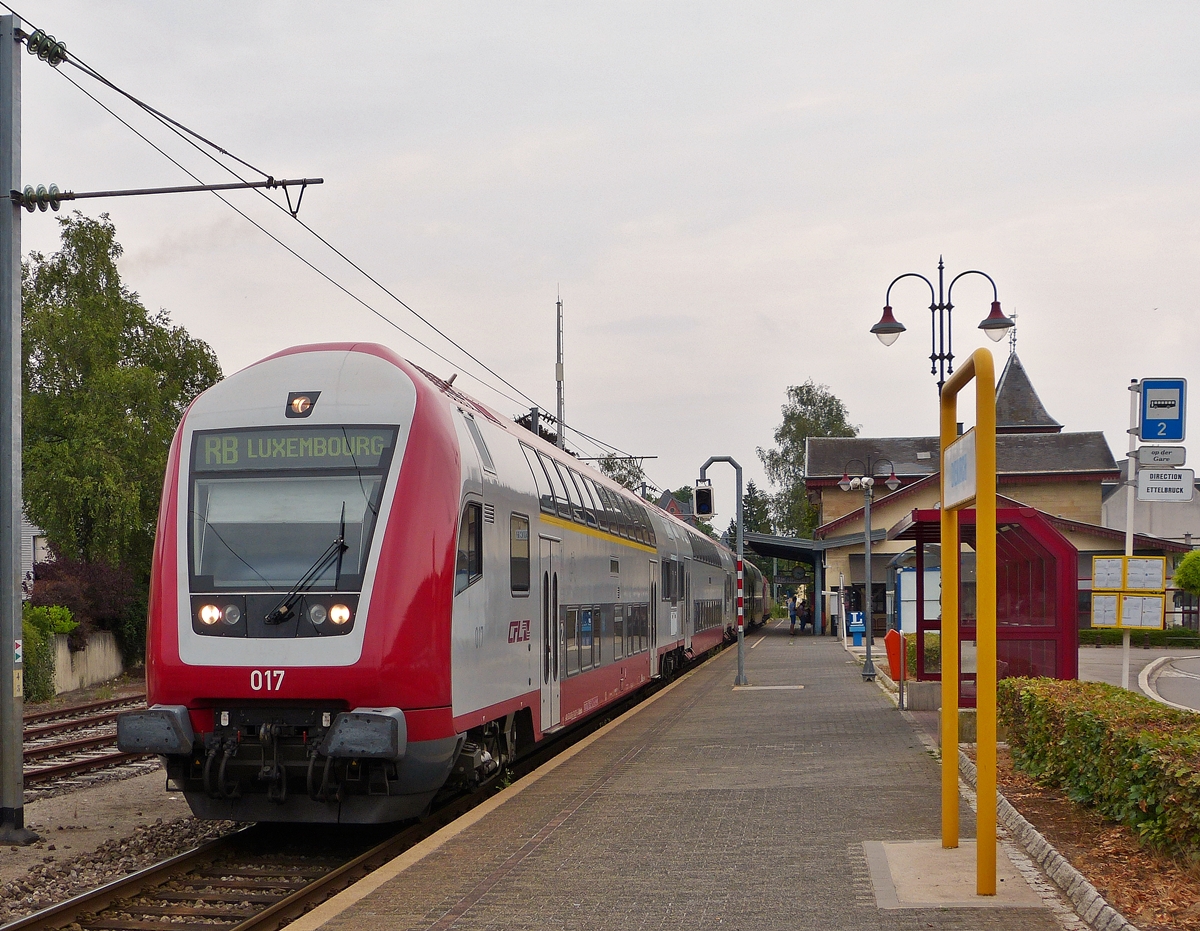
(722,192)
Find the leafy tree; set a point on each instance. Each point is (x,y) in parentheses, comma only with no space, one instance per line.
(756,518)
(624,471)
(1187,573)
(105,384)
(810,410)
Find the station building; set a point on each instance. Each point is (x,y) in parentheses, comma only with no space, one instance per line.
(1056,478)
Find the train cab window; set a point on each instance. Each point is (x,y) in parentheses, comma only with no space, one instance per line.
(469,568)
(485,455)
(518,554)
(545,495)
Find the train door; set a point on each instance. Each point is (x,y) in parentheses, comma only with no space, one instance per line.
(652,619)
(689,618)
(551,557)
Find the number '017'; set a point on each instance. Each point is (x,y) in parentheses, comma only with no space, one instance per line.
(269,679)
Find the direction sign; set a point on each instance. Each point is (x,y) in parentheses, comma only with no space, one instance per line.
(1164,410)
(1166,484)
(1162,456)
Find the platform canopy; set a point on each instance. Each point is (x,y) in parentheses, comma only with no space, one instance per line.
(802,549)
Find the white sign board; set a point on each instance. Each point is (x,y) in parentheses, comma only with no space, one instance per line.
(1162,456)
(1166,484)
(959,485)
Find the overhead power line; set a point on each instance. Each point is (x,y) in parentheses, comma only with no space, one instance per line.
(199,141)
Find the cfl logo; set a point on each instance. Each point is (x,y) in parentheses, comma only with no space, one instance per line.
(518,631)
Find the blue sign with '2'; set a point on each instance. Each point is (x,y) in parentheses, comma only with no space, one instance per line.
(1164,410)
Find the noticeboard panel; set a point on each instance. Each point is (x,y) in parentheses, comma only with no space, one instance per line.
(1146,573)
(1106,610)
(1141,612)
(1108,573)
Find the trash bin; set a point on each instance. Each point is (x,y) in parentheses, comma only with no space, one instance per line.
(858,626)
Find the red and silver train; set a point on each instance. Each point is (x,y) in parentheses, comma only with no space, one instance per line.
(367,585)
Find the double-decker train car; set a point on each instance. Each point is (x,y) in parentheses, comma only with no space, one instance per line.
(367,585)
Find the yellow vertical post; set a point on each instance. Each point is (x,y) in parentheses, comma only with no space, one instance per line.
(949,639)
(980,367)
(985,622)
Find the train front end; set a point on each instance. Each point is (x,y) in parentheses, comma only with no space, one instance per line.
(298,644)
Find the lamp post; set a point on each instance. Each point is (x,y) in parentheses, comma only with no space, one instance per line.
(741,603)
(941,355)
(865,479)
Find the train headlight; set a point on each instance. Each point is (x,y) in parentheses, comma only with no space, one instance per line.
(233,614)
(210,614)
(339,614)
(317,614)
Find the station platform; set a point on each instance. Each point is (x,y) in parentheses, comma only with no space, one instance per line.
(708,806)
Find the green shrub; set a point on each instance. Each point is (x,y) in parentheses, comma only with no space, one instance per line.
(933,653)
(1171,637)
(1134,760)
(38,627)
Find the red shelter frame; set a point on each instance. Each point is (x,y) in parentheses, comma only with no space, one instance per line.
(1037,580)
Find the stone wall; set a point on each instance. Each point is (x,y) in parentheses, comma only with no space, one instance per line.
(99,662)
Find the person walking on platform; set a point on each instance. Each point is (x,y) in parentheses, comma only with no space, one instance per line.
(791,603)
(805,615)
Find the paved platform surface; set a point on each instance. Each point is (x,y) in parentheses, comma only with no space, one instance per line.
(709,808)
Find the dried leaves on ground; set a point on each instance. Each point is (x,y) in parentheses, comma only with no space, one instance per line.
(1152,891)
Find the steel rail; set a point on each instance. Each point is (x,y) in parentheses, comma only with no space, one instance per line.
(82,766)
(67,710)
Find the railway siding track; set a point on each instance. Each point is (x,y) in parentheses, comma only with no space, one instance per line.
(85,736)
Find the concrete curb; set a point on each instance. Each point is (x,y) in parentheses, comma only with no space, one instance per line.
(1088,903)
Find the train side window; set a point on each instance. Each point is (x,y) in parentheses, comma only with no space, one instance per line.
(545,495)
(636,531)
(485,455)
(572,493)
(587,618)
(668,578)
(618,631)
(560,493)
(469,568)
(585,497)
(572,641)
(616,517)
(518,558)
(599,511)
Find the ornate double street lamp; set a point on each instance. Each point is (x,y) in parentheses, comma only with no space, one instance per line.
(864,478)
(941,355)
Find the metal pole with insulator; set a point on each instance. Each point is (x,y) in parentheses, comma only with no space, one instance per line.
(12,782)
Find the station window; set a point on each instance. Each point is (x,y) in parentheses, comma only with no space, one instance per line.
(518,560)
(469,568)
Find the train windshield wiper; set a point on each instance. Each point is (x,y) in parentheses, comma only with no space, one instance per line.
(333,553)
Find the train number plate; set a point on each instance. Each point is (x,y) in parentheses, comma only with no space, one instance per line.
(266,680)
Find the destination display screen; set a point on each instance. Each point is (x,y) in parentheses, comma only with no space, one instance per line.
(287,448)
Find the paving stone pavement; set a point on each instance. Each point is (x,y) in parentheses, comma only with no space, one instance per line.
(711,808)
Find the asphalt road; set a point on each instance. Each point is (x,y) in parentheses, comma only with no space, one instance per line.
(1172,673)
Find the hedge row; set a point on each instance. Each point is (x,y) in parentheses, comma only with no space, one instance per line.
(1170,637)
(1134,760)
(38,628)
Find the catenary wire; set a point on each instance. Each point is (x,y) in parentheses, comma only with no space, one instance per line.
(190,136)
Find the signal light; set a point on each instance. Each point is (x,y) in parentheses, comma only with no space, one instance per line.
(46,47)
(339,614)
(703,499)
(40,198)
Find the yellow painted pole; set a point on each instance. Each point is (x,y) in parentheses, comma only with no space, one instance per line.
(985,622)
(982,368)
(949,631)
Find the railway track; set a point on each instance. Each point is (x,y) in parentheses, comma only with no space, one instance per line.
(76,739)
(264,876)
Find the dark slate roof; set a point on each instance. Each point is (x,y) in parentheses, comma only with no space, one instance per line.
(1018,408)
(1016,454)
